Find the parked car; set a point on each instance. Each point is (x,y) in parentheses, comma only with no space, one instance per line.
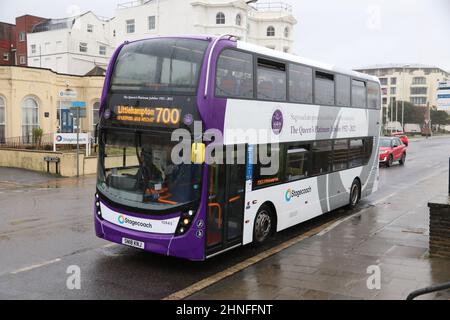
(402,137)
(392,149)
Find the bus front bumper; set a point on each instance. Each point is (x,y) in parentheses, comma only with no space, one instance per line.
(188,246)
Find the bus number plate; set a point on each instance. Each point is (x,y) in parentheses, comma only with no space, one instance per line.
(133,243)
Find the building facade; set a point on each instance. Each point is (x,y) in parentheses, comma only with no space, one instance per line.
(24,25)
(73,45)
(7,44)
(33,97)
(415,83)
(270,25)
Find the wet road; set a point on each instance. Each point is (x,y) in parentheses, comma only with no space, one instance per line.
(46,226)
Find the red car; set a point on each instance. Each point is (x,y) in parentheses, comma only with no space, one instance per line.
(392,149)
(402,137)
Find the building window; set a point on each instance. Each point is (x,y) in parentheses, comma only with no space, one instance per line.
(238,19)
(22,36)
(2,119)
(286,49)
(384,101)
(271,31)
(393,81)
(286,32)
(419,101)
(384,81)
(220,18)
(33,49)
(90,28)
(95,114)
(131,26)
(102,50)
(393,90)
(6,56)
(419,90)
(23,60)
(30,117)
(419,80)
(151,23)
(83,47)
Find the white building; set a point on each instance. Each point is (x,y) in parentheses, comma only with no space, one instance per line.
(73,45)
(270,25)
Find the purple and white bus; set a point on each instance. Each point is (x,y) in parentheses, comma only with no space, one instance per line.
(325,121)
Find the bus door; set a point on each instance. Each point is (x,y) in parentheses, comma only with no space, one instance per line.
(226,199)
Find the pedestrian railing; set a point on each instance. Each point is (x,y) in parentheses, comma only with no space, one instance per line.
(45,142)
(427,290)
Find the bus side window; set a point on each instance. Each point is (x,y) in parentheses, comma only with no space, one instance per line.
(343,91)
(271,80)
(234,76)
(368,149)
(322,157)
(324,88)
(359,94)
(261,180)
(340,155)
(297,160)
(373,95)
(300,84)
(356,153)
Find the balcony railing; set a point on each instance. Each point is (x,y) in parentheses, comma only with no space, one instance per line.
(273,6)
(132,4)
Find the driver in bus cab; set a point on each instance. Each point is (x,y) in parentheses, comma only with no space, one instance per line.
(151,176)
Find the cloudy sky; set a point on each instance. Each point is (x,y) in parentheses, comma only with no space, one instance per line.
(348,33)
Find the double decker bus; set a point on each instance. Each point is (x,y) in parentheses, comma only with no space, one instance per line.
(321,128)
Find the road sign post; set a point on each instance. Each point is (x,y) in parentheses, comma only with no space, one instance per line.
(78,105)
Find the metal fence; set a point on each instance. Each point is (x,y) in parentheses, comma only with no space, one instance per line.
(29,142)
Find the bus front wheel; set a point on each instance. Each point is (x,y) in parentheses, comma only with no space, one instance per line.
(263,225)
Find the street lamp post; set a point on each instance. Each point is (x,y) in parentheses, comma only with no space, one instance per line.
(404,97)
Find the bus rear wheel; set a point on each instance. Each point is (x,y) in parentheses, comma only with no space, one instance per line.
(264,223)
(355,194)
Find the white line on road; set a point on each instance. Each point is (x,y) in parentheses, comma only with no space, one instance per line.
(35,266)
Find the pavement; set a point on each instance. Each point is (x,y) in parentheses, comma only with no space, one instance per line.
(46,226)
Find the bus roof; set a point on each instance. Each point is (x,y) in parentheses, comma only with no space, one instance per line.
(294,58)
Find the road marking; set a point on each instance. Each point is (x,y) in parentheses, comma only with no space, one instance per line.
(35,266)
(182,294)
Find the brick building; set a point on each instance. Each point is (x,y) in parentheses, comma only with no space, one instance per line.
(24,25)
(7,44)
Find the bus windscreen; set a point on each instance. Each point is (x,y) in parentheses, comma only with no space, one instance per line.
(169,66)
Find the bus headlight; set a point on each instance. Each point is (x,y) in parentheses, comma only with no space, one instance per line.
(97,206)
(185,222)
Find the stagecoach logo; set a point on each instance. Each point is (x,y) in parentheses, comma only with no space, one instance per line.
(277,122)
(107,114)
(125,220)
(290,193)
(59,138)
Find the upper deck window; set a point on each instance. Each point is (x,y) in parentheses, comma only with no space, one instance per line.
(373,95)
(324,89)
(160,65)
(235,74)
(359,94)
(300,84)
(271,80)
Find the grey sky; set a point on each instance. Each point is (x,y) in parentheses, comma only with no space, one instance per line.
(348,33)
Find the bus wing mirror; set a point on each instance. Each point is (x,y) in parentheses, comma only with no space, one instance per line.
(198,153)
